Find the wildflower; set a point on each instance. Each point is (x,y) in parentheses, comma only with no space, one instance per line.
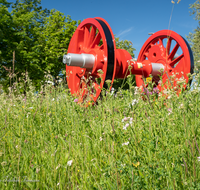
(69,163)
(76,100)
(126,143)
(155,90)
(198,159)
(112,91)
(131,120)
(37,170)
(170,111)
(58,184)
(136,165)
(100,138)
(124,127)
(31,108)
(125,119)
(134,102)
(122,165)
(99,71)
(53,99)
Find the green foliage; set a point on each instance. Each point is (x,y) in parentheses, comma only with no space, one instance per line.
(57,32)
(39,38)
(48,141)
(6,36)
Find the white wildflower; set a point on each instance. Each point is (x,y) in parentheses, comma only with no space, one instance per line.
(100,138)
(58,184)
(198,159)
(134,102)
(112,91)
(126,143)
(131,120)
(31,108)
(125,126)
(69,163)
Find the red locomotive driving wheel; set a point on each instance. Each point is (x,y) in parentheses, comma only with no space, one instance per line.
(93,36)
(163,47)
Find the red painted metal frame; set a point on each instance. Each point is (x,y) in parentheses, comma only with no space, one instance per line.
(155,51)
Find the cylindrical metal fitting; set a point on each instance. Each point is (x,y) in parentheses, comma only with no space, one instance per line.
(157,69)
(79,60)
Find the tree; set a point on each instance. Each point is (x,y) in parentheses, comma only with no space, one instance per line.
(125,44)
(56,35)
(41,37)
(194,38)
(6,40)
(29,17)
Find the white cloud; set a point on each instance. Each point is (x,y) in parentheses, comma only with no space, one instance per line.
(122,33)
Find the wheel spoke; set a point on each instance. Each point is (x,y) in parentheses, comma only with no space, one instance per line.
(179,67)
(91,35)
(169,40)
(176,60)
(86,36)
(78,35)
(96,40)
(146,54)
(160,41)
(101,47)
(172,54)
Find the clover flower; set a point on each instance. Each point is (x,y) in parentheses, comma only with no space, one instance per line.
(76,100)
(155,90)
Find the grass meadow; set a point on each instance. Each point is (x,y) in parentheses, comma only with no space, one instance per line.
(128,141)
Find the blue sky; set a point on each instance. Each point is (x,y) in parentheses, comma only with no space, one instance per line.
(131,19)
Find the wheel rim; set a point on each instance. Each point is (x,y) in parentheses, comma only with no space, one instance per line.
(162,47)
(93,36)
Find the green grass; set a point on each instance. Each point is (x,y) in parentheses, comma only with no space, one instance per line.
(57,144)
